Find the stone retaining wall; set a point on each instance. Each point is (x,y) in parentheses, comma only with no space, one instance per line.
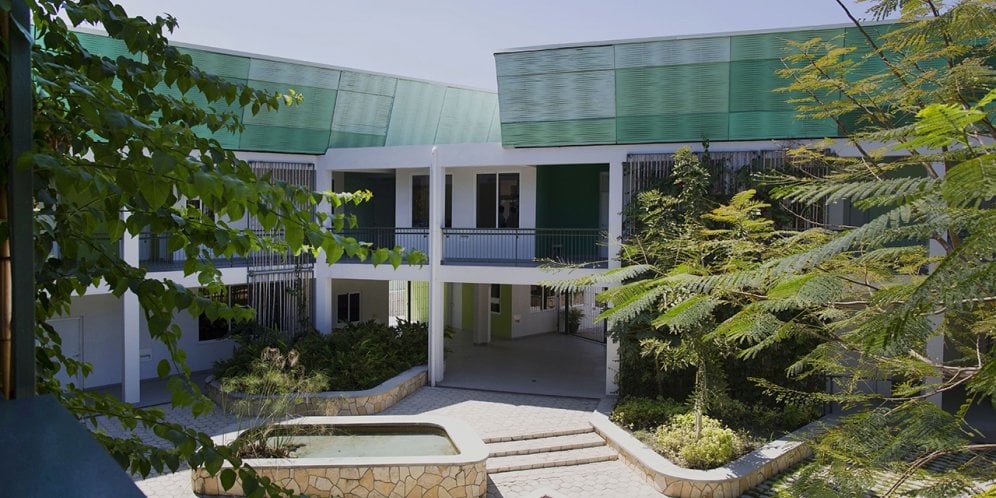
(388,481)
(729,481)
(330,403)
(461,475)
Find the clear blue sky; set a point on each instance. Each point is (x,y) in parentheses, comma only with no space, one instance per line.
(453,41)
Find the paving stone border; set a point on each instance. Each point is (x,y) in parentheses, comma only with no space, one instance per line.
(463,475)
(330,403)
(729,481)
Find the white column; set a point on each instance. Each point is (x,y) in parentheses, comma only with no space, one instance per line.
(437,193)
(131,373)
(323,284)
(482,314)
(615,237)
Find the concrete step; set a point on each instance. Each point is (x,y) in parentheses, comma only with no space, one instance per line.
(537,435)
(551,459)
(545,444)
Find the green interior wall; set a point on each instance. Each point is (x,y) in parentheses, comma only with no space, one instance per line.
(467,307)
(567,195)
(501,323)
(379,211)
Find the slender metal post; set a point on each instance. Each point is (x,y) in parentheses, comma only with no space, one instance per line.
(19,290)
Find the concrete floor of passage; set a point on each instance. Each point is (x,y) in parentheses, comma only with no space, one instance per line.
(549,364)
(152,392)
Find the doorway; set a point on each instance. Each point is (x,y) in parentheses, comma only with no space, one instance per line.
(71,331)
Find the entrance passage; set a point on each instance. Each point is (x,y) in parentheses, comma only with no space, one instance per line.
(551,364)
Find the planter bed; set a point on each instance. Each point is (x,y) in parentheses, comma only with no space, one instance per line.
(332,403)
(728,481)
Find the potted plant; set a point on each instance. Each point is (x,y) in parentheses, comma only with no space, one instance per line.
(574,316)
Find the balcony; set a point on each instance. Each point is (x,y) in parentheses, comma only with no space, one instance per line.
(525,247)
(154,255)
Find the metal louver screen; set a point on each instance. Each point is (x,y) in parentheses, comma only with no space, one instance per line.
(284,301)
(281,286)
(300,174)
(731,172)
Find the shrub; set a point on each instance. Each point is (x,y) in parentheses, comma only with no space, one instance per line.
(716,446)
(645,413)
(763,421)
(357,356)
(250,340)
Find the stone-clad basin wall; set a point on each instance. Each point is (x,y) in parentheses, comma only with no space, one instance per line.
(331,403)
(463,475)
(729,481)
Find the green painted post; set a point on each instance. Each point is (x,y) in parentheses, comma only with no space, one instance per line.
(18,110)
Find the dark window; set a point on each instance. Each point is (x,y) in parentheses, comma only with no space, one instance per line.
(498,200)
(348,307)
(495,298)
(212,330)
(487,201)
(541,298)
(508,200)
(420,201)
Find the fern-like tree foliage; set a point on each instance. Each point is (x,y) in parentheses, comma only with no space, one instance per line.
(119,144)
(915,103)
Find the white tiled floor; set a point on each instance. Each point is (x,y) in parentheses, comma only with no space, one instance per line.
(549,364)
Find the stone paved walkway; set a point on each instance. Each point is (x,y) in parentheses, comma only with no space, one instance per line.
(493,415)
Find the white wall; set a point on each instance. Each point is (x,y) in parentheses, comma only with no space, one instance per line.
(525,321)
(102,347)
(200,355)
(374,298)
(465,194)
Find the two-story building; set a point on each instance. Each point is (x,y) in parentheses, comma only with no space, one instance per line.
(493,187)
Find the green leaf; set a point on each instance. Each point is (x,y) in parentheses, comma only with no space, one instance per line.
(163,368)
(294,235)
(791,287)
(227,478)
(689,314)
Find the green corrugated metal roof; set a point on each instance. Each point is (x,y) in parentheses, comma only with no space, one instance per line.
(415,113)
(717,87)
(465,116)
(279,139)
(755,85)
(229,66)
(685,89)
(672,52)
(293,74)
(341,108)
(775,125)
(677,127)
(776,45)
(362,113)
(557,96)
(315,112)
(561,60)
(376,84)
(536,134)
(106,46)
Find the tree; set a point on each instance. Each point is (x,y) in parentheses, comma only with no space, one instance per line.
(680,234)
(119,144)
(916,102)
